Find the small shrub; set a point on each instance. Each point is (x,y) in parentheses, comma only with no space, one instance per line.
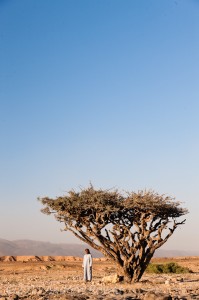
(167,268)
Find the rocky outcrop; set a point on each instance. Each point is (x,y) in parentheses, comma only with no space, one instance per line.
(7,258)
(32,258)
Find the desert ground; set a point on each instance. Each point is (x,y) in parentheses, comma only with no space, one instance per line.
(46,277)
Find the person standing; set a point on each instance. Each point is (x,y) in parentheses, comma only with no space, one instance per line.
(87,265)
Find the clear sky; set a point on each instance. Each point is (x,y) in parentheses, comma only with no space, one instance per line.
(105,91)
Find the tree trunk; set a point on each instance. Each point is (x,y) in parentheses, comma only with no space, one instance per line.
(133,272)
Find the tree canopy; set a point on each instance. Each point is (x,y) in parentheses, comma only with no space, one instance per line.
(126,227)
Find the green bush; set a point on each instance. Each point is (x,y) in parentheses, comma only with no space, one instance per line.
(167,268)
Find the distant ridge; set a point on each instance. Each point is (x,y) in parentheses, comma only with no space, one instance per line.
(38,248)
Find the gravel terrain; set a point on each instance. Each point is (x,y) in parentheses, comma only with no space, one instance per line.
(61,278)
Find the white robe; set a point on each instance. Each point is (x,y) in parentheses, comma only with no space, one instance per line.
(87,265)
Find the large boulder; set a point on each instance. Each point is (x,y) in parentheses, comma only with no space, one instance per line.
(111,278)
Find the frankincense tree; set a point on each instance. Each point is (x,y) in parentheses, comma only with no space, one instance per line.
(127,228)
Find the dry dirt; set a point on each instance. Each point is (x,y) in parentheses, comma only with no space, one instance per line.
(48,277)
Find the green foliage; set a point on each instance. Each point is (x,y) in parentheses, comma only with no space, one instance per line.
(167,268)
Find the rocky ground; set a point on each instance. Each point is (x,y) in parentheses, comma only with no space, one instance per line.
(45,278)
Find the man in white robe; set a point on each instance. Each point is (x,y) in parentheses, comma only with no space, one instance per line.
(87,265)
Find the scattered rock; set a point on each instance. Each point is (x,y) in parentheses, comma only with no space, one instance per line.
(63,281)
(14,297)
(111,279)
(118,292)
(155,296)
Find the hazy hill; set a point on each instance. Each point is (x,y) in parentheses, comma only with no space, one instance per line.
(29,247)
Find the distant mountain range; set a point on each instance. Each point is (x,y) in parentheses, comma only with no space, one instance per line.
(29,247)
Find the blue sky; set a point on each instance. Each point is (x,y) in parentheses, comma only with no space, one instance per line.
(100,91)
